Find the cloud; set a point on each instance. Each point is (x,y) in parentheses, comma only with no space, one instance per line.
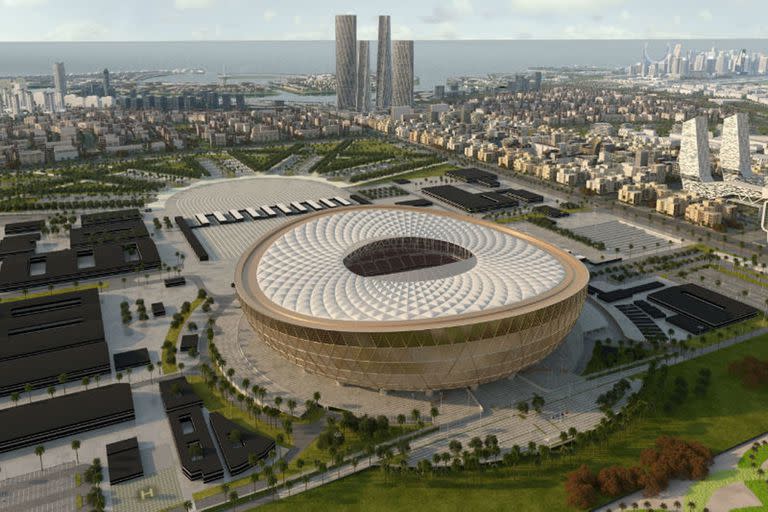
(22,3)
(446,30)
(595,32)
(269,15)
(192,4)
(705,14)
(367,32)
(311,35)
(564,6)
(625,15)
(78,31)
(453,10)
(297,20)
(401,32)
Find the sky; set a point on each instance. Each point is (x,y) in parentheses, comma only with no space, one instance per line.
(184,20)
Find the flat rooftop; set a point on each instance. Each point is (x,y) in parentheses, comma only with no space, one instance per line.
(64,415)
(703,305)
(178,394)
(124,461)
(50,323)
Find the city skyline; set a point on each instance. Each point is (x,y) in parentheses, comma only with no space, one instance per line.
(44,20)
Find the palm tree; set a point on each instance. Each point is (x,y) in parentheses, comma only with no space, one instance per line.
(15,398)
(85,382)
(254,477)
(39,451)
(291,405)
(233,500)
(225,489)
(272,483)
(434,412)
(305,479)
(51,390)
(187,505)
(76,447)
(28,391)
(282,467)
(150,369)
(63,381)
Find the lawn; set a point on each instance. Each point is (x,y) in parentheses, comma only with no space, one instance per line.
(173,335)
(728,415)
(101,286)
(214,403)
(435,170)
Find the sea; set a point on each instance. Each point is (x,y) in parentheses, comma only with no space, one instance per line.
(435,61)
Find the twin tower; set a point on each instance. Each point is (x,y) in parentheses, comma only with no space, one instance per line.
(394,68)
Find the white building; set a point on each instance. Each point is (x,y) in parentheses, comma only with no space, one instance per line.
(694,151)
(734,151)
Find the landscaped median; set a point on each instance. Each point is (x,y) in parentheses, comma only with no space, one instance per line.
(172,338)
(726,415)
(300,476)
(56,291)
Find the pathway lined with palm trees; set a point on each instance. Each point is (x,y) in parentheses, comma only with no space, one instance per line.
(568,410)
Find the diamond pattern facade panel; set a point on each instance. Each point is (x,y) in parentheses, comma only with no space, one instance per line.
(506,302)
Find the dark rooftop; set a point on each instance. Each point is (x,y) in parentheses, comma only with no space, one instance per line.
(124,461)
(703,305)
(64,415)
(178,394)
(131,359)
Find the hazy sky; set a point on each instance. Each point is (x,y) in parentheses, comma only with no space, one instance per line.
(162,20)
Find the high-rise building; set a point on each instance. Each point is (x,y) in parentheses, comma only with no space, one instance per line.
(402,73)
(384,65)
(537,81)
(734,151)
(105,82)
(694,151)
(363,76)
(641,158)
(59,83)
(346,61)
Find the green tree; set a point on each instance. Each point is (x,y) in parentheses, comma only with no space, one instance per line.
(39,451)
(76,447)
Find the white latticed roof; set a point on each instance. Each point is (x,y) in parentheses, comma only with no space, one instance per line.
(303,270)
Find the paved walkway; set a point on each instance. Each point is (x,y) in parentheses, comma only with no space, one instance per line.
(506,424)
(50,490)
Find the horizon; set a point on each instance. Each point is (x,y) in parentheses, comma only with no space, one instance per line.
(269,20)
(304,41)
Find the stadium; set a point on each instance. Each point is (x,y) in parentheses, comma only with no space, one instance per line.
(398,298)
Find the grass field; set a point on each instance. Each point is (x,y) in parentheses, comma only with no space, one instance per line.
(56,291)
(173,335)
(728,415)
(429,172)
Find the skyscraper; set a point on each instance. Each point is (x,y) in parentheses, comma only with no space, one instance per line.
(402,73)
(59,83)
(384,65)
(346,61)
(734,151)
(537,81)
(363,76)
(694,151)
(105,82)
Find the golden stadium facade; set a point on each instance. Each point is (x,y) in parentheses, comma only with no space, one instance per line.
(401,298)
